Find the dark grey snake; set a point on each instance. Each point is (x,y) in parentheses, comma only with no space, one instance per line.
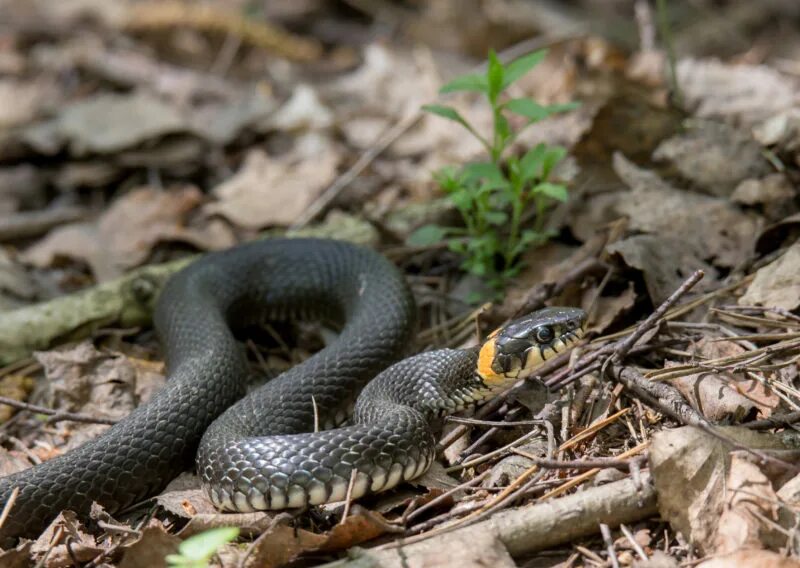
(253,454)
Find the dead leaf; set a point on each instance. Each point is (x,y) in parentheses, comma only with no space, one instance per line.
(360,526)
(303,111)
(275,191)
(150,550)
(281,544)
(19,557)
(653,206)
(773,192)
(749,500)
(23,101)
(665,262)
(714,156)
(81,547)
(83,379)
(748,93)
(724,396)
(184,497)
(125,234)
(109,123)
(608,309)
(689,472)
(10,463)
(760,558)
(776,285)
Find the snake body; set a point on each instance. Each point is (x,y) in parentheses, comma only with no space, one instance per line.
(262,452)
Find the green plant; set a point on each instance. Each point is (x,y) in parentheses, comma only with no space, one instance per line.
(494,196)
(197,550)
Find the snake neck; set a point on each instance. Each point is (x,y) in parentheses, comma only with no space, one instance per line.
(434,383)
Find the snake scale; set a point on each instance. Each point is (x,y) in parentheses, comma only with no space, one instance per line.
(260,451)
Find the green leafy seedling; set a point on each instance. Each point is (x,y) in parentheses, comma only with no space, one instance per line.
(494,197)
(196,551)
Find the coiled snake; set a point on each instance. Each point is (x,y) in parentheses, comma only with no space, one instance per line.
(257,453)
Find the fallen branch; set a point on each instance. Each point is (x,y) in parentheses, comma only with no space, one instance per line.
(56,415)
(127,301)
(27,224)
(527,529)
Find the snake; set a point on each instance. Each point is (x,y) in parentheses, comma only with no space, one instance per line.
(307,436)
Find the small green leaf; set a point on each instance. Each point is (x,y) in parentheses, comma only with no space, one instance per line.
(552,156)
(200,547)
(528,108)
(462,199)
(554,190)
(562,107)
(530,166)
(457,246)
(452,114)
(427,235)
(484,171)
(471,82)
(503,130)
(522,65)
(497,218)
(447,112)
(494,76)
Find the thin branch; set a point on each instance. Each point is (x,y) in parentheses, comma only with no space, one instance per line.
(56,415)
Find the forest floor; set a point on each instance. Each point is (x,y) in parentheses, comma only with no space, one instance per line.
(135,134)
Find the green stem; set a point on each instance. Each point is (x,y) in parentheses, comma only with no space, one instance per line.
(666,36)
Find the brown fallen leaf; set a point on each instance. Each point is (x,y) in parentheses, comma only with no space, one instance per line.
(276,190)
(653,206)
(97,383)
(721,396)
(774,193)
(19,557)
(23,101)
(185,497)
(714,156)
(751,92)
(759,558)
(749,506)
(689,470)
(665,262)
(150,549)
(776,285)
(126,233)
(64,542)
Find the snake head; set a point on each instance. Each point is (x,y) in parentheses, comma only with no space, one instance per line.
(517,349)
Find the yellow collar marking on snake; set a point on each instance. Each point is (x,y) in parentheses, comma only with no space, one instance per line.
(485,360)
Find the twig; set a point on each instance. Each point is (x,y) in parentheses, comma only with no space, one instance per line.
(775,421)
(625,345)
(495,453)
(446,495)
(27,224)
(56,415)
(348,499)
(612,555)
(595,463)
(9,504)
(541,526)
(663,397)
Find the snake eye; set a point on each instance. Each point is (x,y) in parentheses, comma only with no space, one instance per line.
(544,334)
